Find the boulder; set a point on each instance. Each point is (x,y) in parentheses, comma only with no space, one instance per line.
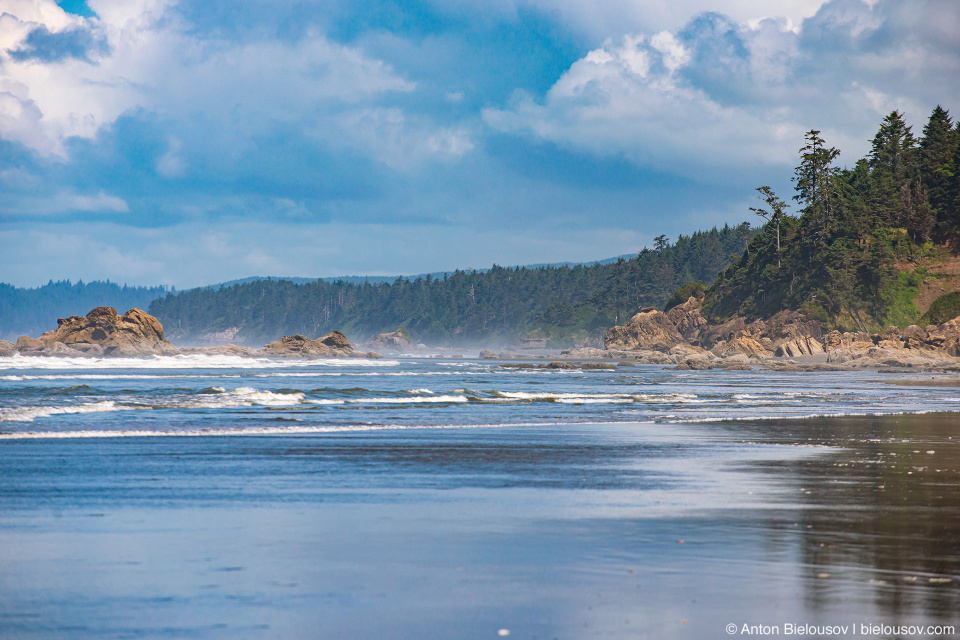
(393,342)
(7,348)
(102,332)
(222,350)
(741,345)
(649,329)
(332,345)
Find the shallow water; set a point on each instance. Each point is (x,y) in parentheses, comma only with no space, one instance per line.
(666,514)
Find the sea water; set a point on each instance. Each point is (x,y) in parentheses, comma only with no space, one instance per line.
(219,497)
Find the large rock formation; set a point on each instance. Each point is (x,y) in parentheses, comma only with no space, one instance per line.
(7,348)
(332,345)
(688,319)
(102,332)
(394,342)
(649,329)
(682,333)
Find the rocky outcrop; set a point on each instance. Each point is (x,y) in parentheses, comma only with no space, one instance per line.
(741,345)
(688,319)
(649,329)
(221,350)
(102,332)
(799,346)
(777,342)
(7,348)
(332,345)
(395,342)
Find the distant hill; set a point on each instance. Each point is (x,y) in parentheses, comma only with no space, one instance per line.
(420,276)
(31,311)
(554,304)
(562,303)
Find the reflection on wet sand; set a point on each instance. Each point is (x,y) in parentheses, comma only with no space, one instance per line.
(884,510)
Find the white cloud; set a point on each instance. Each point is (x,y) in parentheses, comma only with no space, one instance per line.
(717,97)
(150,61)
(69,202)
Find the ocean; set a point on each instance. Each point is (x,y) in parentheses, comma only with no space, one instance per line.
(220,497)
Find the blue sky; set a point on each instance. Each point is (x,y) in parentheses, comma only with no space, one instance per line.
(189,142)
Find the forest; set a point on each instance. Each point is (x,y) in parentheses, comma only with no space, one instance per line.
(856,253)
(560,305)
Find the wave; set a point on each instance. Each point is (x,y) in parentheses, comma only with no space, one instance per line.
(29,414)
(256,431)
(190,361)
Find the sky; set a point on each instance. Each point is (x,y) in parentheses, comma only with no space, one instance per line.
(187,142)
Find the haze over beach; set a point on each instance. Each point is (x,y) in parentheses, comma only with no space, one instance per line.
(720,400)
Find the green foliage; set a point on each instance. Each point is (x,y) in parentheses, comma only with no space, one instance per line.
(569,305)
(903,311)
(837,262)
(681,295)
(944,308)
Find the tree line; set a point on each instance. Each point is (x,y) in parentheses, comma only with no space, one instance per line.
(562,305)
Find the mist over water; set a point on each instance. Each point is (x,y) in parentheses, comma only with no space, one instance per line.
(412,498)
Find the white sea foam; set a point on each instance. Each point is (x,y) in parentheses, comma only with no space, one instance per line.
(188,361)
(438,399)
(595,398)
(29,414)
(243,397)
(257,431)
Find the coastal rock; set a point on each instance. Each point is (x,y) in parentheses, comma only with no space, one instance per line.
(394,342)
(7,348)
(332,345)
(102,332)
(743,346)
(221,350)
(800,346)
(688,319)
(649,329)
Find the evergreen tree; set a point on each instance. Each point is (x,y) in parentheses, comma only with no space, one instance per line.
(937,150)
(776,213)
(893,162)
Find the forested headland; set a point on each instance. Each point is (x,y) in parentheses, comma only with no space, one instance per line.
(867,238)
(560,305)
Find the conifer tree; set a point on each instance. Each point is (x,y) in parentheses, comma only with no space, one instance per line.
(937,150)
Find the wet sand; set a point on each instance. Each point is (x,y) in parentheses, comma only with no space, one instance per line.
(926,382)
(574,531)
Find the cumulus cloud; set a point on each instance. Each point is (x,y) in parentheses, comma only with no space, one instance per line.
(717,96)
(64,76)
